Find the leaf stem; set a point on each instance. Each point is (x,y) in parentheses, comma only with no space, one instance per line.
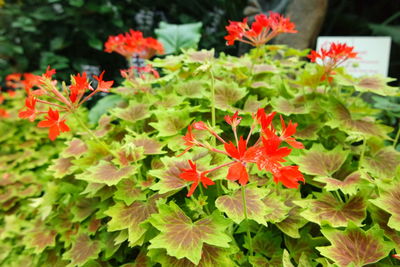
(247,220)
(205,206)
(396,139)
(212,87)
(90,132)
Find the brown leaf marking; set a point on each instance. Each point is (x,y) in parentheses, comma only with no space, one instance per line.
(76,148)
(134,112)
(357,247)
(62,165)
(149,145)
(84,249)
(384,162)
(321,163)
(43,239)
(372,83)
(109,172)
(329,209)
(235,203)
(351,179)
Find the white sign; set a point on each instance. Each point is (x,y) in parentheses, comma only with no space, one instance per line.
(373,53)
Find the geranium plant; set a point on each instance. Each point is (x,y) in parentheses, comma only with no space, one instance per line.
(195,168)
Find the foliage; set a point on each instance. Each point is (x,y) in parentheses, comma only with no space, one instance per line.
(115,195)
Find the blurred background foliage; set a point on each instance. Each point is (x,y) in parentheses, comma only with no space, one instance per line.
(69,34)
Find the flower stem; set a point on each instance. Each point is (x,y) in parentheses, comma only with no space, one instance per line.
(247,220)
(90,132)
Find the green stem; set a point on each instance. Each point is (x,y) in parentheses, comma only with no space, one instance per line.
(205,206)
(90,132)
(247,220)
(396,139)
(363,150)
(212,101)
(337,195)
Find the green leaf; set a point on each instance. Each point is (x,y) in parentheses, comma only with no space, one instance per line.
(183,238)
(211,256)
(171,122)
(349,185)
(234,209)
(150,145)
(289,106)
(286,259)
(175,37)
(128,191)
(82,250)
(40,237)
(342,118)
(318,161)
(327,209)
(304,246)
(267,242)
(76,148)
(106,173)
(381,218)
(294,221)
(389,201)
(102,106)
(277,210)
(227,94)
(61,167)
(377,84)
(133,112)
(355,246)
(382,164)
(131,217)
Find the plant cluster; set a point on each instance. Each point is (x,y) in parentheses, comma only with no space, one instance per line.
(127,188)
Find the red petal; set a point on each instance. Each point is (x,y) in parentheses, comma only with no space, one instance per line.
(192,188)
(43,124)
(238,172)
(53,132)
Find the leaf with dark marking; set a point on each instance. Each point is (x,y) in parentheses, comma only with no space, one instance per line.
(183,238)
(355,246)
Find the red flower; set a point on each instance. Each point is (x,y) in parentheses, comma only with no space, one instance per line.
(4,113)
(238,172)
(189,139)
(79,86)
(200,125)
(234,120)
(331,58)
(54,124)
(103,85)
(261,31)
(132,43)
(49,72)
(192,175)
(287,132)
(264,119)
(30,112)
(269,155)
(289,176)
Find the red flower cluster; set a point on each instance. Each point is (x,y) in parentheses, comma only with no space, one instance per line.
(267,152)
(45,92)
(332,57)
(133,43)
(263,29)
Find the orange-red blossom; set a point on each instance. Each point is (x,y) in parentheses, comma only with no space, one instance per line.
(42,90)
(267,152)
